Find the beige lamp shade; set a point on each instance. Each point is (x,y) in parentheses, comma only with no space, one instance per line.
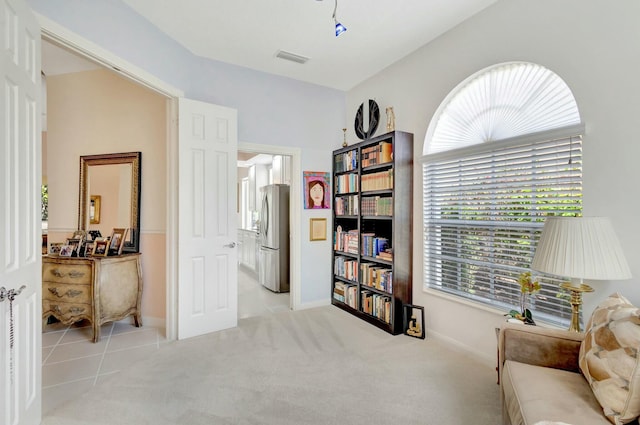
(580,247)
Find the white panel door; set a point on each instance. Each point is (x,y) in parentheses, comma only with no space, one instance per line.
(20,220)
(207,229)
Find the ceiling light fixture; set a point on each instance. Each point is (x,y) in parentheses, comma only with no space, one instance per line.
(339,27)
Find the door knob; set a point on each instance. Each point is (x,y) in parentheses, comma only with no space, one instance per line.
(230,245)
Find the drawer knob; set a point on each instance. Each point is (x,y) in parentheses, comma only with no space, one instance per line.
(72,310)
(74,274)
(71,293)
(57,273)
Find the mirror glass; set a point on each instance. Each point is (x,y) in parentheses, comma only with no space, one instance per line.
(110,195)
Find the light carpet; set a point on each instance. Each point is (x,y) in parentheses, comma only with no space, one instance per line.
(316,366)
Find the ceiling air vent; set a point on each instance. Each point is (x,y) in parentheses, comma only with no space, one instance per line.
(291,57)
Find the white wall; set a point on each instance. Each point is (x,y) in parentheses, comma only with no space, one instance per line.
(272,110)
(593,46)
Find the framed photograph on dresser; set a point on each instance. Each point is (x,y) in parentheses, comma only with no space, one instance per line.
(88,248)
(117,241)
(75,243)
(66,250)
(55,247)
(79,234)
(100,248)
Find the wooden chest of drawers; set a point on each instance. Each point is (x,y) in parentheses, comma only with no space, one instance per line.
(98,289)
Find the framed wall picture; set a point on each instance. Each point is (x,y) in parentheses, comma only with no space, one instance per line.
(317,193)
(413,320)
(117,240)
(317,229)
(94,209)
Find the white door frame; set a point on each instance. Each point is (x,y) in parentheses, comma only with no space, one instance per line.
(295,201)
(58,34)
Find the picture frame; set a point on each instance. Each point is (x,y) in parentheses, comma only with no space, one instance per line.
(317,229)
(317,192)
(413,320)
(79,234)
(66,250)
(94,234)
(94,209)
(76,244)
(55,247)
(88,248)
(100,248)
(117,240)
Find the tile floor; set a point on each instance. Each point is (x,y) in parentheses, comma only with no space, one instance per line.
(72,363)
(256,300)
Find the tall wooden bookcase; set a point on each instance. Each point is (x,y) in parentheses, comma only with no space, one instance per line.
(372,229)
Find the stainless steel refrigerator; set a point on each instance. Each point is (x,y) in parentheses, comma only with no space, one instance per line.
(273,269)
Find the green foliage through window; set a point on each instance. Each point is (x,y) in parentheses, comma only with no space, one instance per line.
(44,192)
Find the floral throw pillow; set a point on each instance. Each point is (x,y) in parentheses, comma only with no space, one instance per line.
(610,360)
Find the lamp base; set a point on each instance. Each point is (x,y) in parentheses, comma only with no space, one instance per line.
(576,302)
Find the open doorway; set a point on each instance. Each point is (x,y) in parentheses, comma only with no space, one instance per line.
(87,102)
(264,275)
(166,174)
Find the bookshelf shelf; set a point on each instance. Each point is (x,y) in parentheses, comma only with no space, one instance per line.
(373,218)
(376,260)
(377,217)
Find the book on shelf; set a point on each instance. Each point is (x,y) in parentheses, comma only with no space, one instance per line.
(346,183)
(346,268)
(373,245)
(339,291)
(346,205)
(346,241)
(376,305)
(376,276)
(382,180)
(380,153)
(346,293)
(346,161)
(377,205)
(386,255)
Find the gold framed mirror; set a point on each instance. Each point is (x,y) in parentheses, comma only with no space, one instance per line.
(115,180)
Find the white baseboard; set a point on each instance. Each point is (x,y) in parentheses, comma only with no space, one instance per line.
(151,322)
(471,351)
(314,304)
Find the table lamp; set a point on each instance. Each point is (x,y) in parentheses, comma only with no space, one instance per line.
(580,248)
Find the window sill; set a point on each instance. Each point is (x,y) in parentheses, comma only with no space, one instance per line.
(481,306)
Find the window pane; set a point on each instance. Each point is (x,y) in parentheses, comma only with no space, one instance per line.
(483,214)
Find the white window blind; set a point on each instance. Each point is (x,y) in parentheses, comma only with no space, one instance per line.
(504,101)
(484,208)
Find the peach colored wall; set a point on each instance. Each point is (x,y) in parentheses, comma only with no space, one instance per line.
(98,112)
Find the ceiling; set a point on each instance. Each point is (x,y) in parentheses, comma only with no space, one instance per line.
(249,33)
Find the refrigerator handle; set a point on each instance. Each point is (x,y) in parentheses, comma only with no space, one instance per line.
(265,214)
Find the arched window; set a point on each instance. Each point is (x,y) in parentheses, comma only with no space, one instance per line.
(503,151)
